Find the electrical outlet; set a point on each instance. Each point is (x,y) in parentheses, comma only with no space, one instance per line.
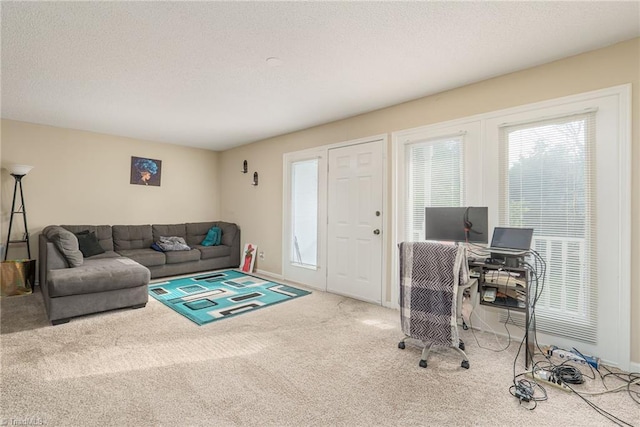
(261,255)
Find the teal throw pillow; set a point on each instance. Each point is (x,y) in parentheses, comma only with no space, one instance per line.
(213,237)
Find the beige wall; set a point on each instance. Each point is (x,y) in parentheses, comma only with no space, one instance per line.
(83,178)
(259,210)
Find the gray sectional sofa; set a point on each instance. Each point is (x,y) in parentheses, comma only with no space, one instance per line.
(73,285)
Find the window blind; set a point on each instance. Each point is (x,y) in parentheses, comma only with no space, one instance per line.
(435,177)
(547,176)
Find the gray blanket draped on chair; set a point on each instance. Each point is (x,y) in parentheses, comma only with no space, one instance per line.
(430,274)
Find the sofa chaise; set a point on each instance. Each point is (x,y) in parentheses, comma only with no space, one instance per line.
(72,285)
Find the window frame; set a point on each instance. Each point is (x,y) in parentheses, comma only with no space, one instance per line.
(583,325)
(431,142)
(481,156)
(613,208)
(473,188)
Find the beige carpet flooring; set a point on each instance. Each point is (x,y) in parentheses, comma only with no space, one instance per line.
(319,360)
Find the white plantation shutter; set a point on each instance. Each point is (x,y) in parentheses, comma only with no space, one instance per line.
(547,182)
(435,177)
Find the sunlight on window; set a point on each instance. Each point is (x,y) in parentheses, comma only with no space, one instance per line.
(304,206)
(434,178)
(548,188)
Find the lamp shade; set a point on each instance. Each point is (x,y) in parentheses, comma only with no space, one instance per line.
(19,169)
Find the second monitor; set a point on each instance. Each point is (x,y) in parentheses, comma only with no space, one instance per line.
(457,224)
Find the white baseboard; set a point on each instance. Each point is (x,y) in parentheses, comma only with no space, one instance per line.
(270,274)
(634,367)
(390,304)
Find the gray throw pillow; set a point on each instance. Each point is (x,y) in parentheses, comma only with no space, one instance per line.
(89,244)
(67,243)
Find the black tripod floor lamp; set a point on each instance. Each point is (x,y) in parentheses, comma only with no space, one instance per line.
(18,172)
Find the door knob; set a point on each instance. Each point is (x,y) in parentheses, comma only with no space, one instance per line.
(376,231)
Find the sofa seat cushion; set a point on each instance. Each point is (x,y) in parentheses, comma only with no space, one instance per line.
(97,275)
(107,254)
(147,257)
(209,252)
(175,257)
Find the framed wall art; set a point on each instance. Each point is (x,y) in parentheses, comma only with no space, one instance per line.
(146,171)
(248,258)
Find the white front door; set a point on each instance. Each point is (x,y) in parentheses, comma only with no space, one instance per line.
(354,255)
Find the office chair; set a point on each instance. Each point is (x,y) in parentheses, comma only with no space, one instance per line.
(430,277)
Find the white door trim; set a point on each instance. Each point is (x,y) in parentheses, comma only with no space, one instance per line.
(386,217)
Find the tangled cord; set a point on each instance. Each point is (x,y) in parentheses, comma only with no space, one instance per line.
(568,374)
(525,391)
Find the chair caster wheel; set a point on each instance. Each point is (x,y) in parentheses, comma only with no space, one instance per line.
(401,345)
(423,363)
(464,326)
(465,364)
(461,346)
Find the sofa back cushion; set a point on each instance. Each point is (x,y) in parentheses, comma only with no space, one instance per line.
(197,231)
(102,232)
(169,230)
(66,242)
(229,231)
(132,237)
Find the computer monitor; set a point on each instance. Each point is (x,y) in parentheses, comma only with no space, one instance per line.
(512,238)
(459,224)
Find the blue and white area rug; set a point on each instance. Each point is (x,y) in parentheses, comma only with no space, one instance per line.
(206,297)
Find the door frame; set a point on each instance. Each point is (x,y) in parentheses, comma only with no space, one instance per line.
(322,152)
(312,277)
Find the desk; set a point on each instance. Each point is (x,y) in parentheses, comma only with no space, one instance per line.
(511,286)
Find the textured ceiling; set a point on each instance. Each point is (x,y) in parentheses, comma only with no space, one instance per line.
(195,73)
